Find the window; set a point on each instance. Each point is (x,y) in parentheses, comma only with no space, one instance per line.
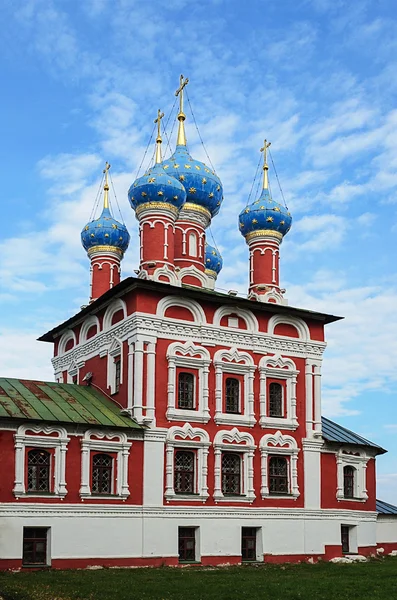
(248,543)
(192,244)
(187,544)
(102,466)
(275,400)
(231,474)
(35,545)
(39,463)
(186,391)
(345,538)
(74,379)
(348,481)
(117,373)
(278,475)
(232,404)
(184,472)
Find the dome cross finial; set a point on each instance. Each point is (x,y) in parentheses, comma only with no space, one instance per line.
(266,145)
(159,140)
(181,140)
(106,186)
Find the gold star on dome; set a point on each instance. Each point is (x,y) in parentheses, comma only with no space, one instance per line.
(270,219)
(169,182)
(121,239)
(241,225)
(146,175)
(210,195)
(92,234)
(114,226)
(218,189)
(282,222)
(99,225)
(135,184)
(254,221)
(175,197)
(176,166)
(151,180)
(213,253)
(289,214)
(181,178)
(106,235)
(192,190)
(208,260)
(218,203)
(160,193)
(86,227)
(188,167)
(144,194)
(197,167)
(262,207)
(132,198)
(207,170)
(276,209)
(247,210)
(204,180)
(166,167)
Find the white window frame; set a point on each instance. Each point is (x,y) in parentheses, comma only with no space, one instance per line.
(108,443)
(359,463)
(243,444)
(189,356)
(278,444)
(279,369)
(232,362)
(185,438)
(116,349)
(24,439)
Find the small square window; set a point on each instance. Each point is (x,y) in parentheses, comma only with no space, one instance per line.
(232,322)
(35,546)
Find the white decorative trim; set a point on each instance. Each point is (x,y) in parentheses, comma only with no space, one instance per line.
(248,317)
(65,338)
(59,444)
(243,443)
(86,326)
(359,462)
(165,271)
(277,367)
(108,442)
(116,349)
(299,324)
(190,356)
(283,445)
(73,371)
(241,363)
(272,295)
(111,310)
(193,271)
(194,307)
(187,435)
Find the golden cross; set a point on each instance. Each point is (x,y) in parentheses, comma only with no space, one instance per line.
(160,115)
(179,92)
(266,145)
(106,186)
(265,167)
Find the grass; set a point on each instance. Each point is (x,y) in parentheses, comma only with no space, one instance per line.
(375,580)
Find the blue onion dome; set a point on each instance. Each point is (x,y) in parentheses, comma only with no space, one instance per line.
(202,186)
(105,232)
(157,186)
(213,259)
(265,215)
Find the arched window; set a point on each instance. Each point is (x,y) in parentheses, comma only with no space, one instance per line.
(275,400)
(192,244)
(102,467)
(232,395)
(231,474)
(184,472)
(39,462)
(348,481)
(186,391)
(278,475)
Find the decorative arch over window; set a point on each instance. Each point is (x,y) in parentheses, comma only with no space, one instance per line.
(194,441)
(66,337)
(189,358)
(73,373)
(280,371)
(194,307)
(299,324)
(246,315)
(351,475)
(111,310)
(91,321)
(234,363)
(193,272)
(38,438)
(279,477)
(240,443)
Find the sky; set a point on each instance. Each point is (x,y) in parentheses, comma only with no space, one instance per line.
(82,83)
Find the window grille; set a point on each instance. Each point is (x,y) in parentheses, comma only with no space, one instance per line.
(184,472)
(102,474)
(39,462)
(186,391)
(248,543)
(278,475)
(35,545)
(348,481)
(232,404)
(231,473)
(275,400)
(187,544)
(117,373)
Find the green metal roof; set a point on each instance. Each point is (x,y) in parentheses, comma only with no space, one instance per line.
(62,402)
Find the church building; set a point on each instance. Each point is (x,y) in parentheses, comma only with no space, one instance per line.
(184,424)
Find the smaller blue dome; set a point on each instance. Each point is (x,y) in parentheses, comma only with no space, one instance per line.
(157,186)
(265,214)
(105,231)
(202,186)
(213,260)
